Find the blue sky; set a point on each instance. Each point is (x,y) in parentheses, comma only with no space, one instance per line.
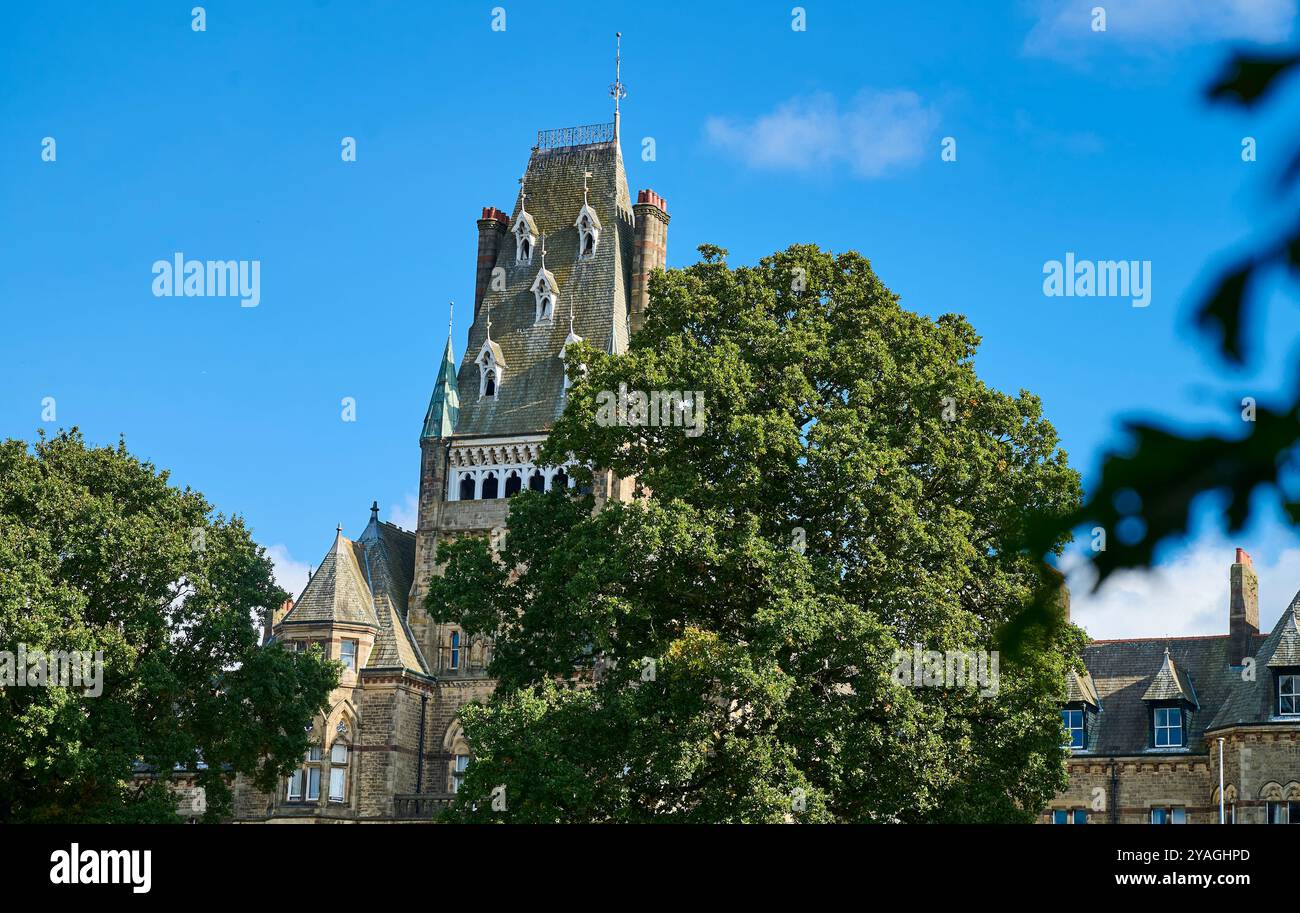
(225,144)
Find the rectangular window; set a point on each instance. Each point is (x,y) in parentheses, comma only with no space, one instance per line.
(348,653)
(455,649)
(1288,694)
(1168,727)
(295,786)
(313,784)
(339,753)
(1284,813)
(313,753)
(337,776)
(1174,815)
(1070,816)
(458,771)
(1072,720)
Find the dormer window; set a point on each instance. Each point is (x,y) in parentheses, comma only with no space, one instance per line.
(1167,730)
(525,232)
(1073,719)
(1288,692)
(545,295)
(491,369)
(588,226)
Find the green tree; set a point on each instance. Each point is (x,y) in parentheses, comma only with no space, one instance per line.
(724,649)
(99,553)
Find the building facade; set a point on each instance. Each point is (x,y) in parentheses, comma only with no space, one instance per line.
(1155,724)
(572,261)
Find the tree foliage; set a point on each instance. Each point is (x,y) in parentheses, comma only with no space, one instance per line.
(722,647)
(99,553)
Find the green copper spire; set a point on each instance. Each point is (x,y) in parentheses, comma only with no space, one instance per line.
(444,405)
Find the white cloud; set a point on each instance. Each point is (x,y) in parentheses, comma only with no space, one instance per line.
(878,132)
(406,514)
(1063,28)
(1186,595)
(291,575)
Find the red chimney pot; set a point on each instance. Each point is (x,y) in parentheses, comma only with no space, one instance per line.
(1243,557)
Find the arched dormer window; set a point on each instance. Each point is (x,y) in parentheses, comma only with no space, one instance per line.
(588,225)
(525,232)
(545,295)
(491,368)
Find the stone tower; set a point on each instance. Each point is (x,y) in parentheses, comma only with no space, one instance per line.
(571,262)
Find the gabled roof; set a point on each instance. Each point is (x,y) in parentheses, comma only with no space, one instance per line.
(444,404)
(491,346)
(590,213)
(1080,689)
(545,278)
(1169,685)
(1250,698)
(337,593)
(528,220)
(531,397)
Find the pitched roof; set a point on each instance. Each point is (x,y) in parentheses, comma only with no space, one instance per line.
(531,395)
(389,564)
(1080,688)
(337,593)
(1169,684)
(444,404)
(366,582)
(1286,652)
(1250,697)
(1128,673)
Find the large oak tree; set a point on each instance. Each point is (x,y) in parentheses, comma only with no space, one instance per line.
(722,648)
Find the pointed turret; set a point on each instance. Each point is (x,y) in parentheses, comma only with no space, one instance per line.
(444,405)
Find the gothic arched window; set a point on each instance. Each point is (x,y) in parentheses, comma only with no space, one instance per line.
(466,486)
(537,481)
(514,482)
(560,479)
(490,486)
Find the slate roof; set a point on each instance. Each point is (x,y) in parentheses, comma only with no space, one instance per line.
(1170,684)
(1080,689)
(531,398)
(337,592)
(366,582)
(1129,675)
(1252,701)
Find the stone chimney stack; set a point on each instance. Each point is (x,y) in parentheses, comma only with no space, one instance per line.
(492,227)
(649,251)
(1243,608)
(273,618)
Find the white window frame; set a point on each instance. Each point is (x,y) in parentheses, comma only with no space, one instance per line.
(1168,728)
(344,657)
(453,650)
(1292,694)
(338,782)
(1081,728)
(458,767)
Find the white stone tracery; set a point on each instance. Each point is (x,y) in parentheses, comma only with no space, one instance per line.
(474,464)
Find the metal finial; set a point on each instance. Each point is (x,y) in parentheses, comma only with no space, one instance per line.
(374,510)
(617,90)
(451,315)
(523,194)
(543,250)
(586,175)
